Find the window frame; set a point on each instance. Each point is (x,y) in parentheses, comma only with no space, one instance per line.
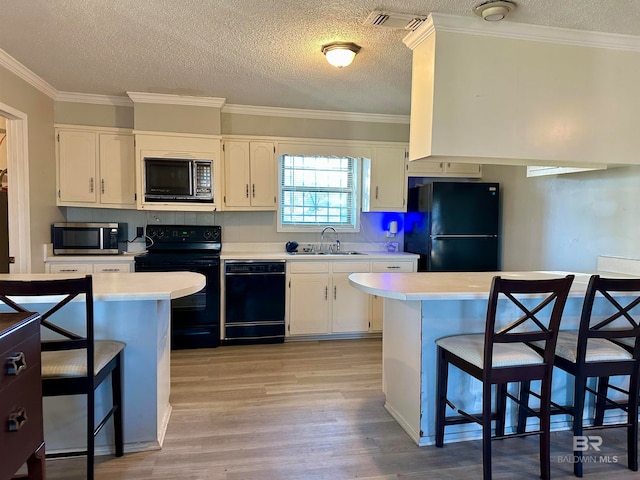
(317,227)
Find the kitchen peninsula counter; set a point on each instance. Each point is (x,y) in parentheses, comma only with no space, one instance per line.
(422,307)
(134,308)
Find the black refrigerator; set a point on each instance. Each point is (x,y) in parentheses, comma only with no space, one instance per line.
(454,226)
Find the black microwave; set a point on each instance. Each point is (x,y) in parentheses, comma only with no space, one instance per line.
(88,238)
(178,180)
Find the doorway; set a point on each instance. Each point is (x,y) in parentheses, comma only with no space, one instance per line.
(18,205)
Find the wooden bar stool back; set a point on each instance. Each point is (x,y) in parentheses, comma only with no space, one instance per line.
(531,311)
(74,363)
(605,345)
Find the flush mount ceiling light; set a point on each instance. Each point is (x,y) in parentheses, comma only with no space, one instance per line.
(494,11)
(340,54)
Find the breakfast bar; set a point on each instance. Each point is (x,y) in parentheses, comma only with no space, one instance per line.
(134,308)
(422,307)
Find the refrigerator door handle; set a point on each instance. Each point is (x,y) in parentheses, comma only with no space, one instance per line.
(437,237)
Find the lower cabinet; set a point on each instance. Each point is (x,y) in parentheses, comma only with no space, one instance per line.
(90,267)
(323,302)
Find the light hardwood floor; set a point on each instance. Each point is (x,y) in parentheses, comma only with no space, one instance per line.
(309,411)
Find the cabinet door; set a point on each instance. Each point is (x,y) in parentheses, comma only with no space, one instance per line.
(388,182)
(76,166)
(263,174)
(309,307)
(463,169)
(121,267)
(69,268)
(117,170)
(426,168)
(394,266)
(237,173)
(350,307)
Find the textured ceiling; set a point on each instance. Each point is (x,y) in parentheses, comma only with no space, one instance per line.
(250,52)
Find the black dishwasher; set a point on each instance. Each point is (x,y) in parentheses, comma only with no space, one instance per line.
(254,301)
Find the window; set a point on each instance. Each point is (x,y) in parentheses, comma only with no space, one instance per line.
(317,191)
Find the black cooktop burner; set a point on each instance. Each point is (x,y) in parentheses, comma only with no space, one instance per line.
(184,238)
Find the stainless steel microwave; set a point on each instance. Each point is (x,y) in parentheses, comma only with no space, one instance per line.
(178,180)
(88,238)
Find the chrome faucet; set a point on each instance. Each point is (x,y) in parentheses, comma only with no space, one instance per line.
(337,241)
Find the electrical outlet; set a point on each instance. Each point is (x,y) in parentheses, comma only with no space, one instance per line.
(139,232)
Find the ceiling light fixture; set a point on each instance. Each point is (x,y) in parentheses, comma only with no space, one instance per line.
(494,11)
(340,54)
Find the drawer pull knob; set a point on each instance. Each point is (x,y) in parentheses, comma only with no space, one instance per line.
(17,420)
(16,363)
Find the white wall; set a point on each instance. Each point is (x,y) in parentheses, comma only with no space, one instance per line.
(564,222)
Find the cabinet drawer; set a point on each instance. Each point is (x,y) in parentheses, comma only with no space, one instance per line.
(25,343)
(392,267)
(351,267)
(25,393)
(71,268)
(308,267)
(111,268)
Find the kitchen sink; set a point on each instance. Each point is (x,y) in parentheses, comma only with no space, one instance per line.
(327,253)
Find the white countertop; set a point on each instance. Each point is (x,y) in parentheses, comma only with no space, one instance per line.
(448,285)
(247,251)
(127,286)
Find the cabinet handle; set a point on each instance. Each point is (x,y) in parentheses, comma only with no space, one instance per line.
(16,363)
(104,270)
(91,185)
(376,193)
(326,292)
(17,419)
(253,190)
(335,292)
(246,191)
(66,270)
(102,185)
(393,266)
(440,164)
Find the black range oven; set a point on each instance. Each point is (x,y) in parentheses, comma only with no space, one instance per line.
(195,319)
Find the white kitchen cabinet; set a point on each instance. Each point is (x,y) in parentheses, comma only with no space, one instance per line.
(428,168)
(75,265)
(321,300)
(384,180)
(250,175)
(388,266)
(95,167)
(70,268)
(309,307)
(350,307)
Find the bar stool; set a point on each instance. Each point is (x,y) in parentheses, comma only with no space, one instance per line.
(498,357)
(605,345)
(73,363)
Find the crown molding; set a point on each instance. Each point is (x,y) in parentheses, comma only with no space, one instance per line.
(520,31)
(314,114)
(94,99)
(15,67)
(141,97)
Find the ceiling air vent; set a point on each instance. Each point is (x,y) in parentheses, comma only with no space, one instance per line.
(398,21)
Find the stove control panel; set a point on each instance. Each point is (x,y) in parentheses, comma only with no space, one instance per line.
(189,236)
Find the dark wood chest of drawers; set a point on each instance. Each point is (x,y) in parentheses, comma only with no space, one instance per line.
(21,435)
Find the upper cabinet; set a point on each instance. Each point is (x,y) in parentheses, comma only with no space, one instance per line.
(520,97)
(250,171)
(384,180)
(95,167)
(424,168)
